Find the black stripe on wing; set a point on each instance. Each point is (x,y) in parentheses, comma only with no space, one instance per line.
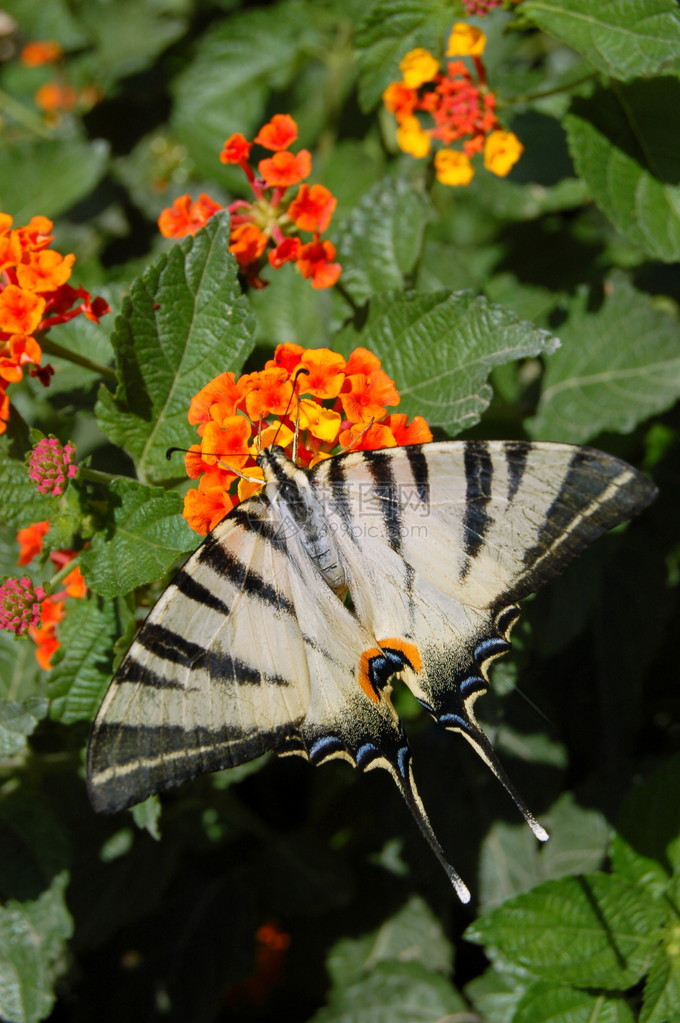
(597,493)
(476,521)
(516,455)
(417,460)
(188,585)
(218,557)
(385,487)
(127,763)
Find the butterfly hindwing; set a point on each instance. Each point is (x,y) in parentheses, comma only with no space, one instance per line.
(442,539)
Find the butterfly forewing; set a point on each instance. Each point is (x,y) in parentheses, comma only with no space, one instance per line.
(216,676)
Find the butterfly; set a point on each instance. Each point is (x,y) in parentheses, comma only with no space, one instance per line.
(287,627)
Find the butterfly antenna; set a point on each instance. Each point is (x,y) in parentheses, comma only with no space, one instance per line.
(293,394)
(403,776)
(356,439)
(478,740)
(237,472)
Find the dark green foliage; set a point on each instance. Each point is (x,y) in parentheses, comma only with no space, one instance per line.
(541,306)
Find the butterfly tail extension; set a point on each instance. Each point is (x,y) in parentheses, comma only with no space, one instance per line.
(402,773)
(465,725)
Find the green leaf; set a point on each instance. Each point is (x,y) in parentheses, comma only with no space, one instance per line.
(623,39)
(495,995)
(512,861)
(399,992)
(77,682)
(17,721)
(149,535)
(379,242)
(127,35)
(20,676)
(39,20)
(618,140)
(412,935)
(48,175)
(147,815)
(32,953)
(646,847)
(440,348)
(33,844)
(184,322)
(546,1003)
(661,998)
(225,87)
(388,31)
(594,930)
(617,366)
(290,309)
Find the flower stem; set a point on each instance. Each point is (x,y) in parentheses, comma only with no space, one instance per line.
(529,97)
(52,348)
(53,585)
(19,113)
(96,476)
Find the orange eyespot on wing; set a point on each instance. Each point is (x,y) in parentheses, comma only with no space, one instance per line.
(379,663)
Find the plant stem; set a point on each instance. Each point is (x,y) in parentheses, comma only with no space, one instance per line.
(57,578)
(529,97)
(52,348)
(96,476)
(22,115)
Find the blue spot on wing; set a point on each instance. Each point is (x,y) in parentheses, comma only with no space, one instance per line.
(324,746)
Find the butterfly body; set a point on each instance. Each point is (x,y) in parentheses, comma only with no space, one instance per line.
(253,646)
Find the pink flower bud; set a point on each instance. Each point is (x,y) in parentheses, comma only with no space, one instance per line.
(49,466)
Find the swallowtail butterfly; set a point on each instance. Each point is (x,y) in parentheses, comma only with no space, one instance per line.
(255,645)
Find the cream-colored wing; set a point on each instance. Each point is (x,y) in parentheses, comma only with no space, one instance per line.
(441,540)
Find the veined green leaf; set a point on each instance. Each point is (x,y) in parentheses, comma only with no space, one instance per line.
(388,31)
(440,347)
(17,721)
(594,930)
(618,139)
(32,947)
(394,991)
(412,935)
(623,38)
(149,535)
(171,340)
(544,1002)
(661,998)
(616,367)
(379,242)
(77,682)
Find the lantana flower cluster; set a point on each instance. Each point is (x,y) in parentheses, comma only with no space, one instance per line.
(480,8)
(34,297)
(334,405)
(452,106)
(268,227)
(58,95)
(24,607)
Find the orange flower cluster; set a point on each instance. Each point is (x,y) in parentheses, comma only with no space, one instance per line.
(57,96)
(455,106)
(270,956)
(53,608)
(268,228)
(34,296)
(338,406)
